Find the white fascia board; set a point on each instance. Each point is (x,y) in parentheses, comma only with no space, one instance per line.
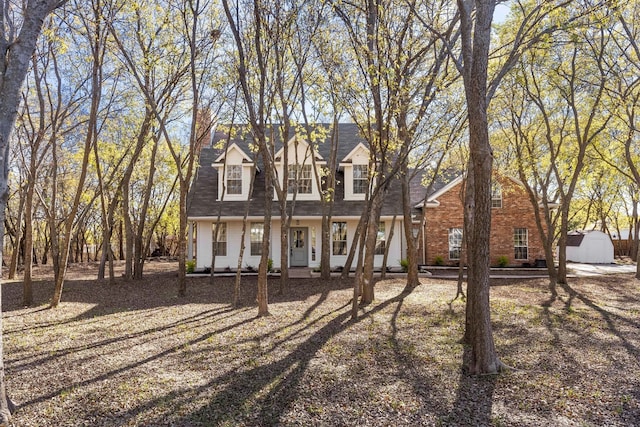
(444,189)
(234,146)
(358,147)
(429,204)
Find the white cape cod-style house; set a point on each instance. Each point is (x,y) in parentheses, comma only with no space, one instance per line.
(222,192)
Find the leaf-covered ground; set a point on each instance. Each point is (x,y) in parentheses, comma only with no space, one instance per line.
(134,354)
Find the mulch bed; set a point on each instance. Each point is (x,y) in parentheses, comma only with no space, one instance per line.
(134,354)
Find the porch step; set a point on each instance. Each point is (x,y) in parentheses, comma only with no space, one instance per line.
(299,272)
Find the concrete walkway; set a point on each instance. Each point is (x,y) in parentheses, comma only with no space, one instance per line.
(599,269)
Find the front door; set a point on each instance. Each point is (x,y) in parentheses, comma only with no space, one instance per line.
(298,247)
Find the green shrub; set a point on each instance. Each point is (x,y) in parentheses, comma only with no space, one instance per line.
(269,265)
(190,266)
(503,261)
(404,263)
(438,260)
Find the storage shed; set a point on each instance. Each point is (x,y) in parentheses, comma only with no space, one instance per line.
(590,247)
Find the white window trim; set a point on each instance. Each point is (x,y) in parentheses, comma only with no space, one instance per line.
(449,232)
(526,243)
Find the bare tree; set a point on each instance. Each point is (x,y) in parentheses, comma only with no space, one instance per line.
(43,118)
(94,29)
(187,76)
(24,22)
(249,32)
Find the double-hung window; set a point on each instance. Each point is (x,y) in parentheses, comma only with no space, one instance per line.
(234,179)
(496,195)
(360,179)
(455,243)
(299,179)
(521,243)
(339,238)
(257,233)
(219,239)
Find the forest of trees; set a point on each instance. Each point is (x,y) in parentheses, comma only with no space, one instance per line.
(119,96)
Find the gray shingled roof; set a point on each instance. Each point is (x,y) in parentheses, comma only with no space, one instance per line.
(575,238)
(202,201)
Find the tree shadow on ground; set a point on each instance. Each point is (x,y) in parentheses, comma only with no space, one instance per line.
(157,290)
(611,319)
(474,397)
(262,395)
(138,300)
(116,371)
(276,384)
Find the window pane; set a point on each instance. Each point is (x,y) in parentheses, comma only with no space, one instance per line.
(496,195)
(339,237)
(360,179)
(219,241)
(234,179)
(298,239)
(299,179)
(521,243)
(455,243)
(257,233)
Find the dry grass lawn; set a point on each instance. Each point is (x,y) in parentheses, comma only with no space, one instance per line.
(133,354)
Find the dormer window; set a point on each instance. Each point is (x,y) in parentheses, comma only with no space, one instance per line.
(234,179)
(360,179)
(357,175)
(234,168)
(300,181)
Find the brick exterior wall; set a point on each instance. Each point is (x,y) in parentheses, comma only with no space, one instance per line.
(516,212)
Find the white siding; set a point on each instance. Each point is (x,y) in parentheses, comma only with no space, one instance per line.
(304,153)
(234,231)
(360,157)
(596,248)
(234,157)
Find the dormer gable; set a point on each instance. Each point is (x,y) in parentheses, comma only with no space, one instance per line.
(357,176)
(358,155)
(299,170)
(236,154)
(304,152)
(234,167)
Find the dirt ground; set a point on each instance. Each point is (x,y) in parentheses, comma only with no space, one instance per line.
(134,354)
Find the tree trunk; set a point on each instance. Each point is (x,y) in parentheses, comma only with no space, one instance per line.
(562,247)
(475,37)
(263,296)
(368,293)
(140,249)
(328,202)
(182,241)
(27,296)
(128,234)
(412,245)
(385,258)
(325,253)
(97,46)
(354,245)
(13,265)
(358,279)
